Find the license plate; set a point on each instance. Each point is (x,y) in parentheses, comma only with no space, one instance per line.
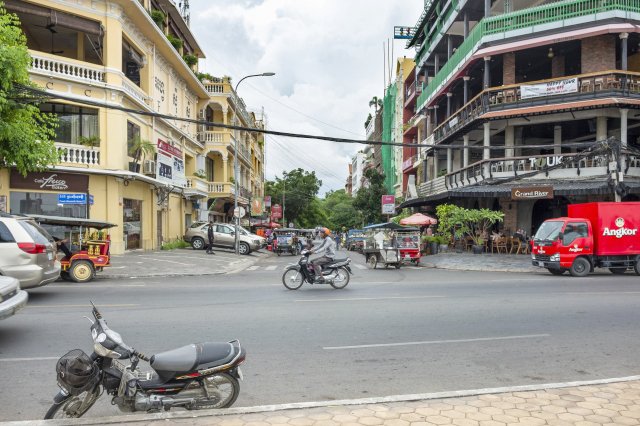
(240,374)
(540,263)
(50,255)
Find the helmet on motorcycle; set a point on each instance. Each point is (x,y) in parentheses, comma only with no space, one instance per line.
(76,372)
(325,231)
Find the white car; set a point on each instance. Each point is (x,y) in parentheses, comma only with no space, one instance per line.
(12,299)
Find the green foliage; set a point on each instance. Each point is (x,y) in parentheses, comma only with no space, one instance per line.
(368,120)
(403,214)
(175,41)
(312,215)
(89,140)
(141,148)
(446,224)
(26,134)
(206,76)
(299,188)
(474,223)
(158,17)
(177,244)
(368,200)
(340,210)
(200,174)
(190,59)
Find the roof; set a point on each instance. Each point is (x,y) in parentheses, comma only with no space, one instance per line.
(71,221)
(389,225)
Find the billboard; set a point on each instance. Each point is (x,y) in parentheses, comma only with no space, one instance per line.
(170,165)
(257,206)
(388,204)
(276,211)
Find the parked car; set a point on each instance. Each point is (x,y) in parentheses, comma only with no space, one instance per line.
(27,252)
(12,298)
(224,236)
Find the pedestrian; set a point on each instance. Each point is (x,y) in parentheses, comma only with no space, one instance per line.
(337,237)
(210,237)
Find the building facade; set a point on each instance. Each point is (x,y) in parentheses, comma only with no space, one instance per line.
(134,170)
(515,97)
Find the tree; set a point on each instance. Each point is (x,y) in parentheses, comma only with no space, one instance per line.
(340,210)
(26,134)
(299,188)
(369,198)
(473,223)
(376,103)
(140,148)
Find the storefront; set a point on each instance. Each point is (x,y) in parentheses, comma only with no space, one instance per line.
(132,223)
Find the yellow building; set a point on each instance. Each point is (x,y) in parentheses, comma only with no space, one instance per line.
(131,54)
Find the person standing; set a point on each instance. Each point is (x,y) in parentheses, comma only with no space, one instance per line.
(210,237)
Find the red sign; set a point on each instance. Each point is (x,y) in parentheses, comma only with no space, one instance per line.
(267,201)
(388,199)
(169,149)
(276,211)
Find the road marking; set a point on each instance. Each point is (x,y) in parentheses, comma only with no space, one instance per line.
(612,293)
(171,261)
(42,358)
(252,268)
(437,342)
(358,299)
(271,267)
(123,305)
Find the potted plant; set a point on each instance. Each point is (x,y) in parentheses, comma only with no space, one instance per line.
(91,141)
(175,41)
(158,17)
(443,243)
(200,174)
(190,59)
(475,224)
(432,242)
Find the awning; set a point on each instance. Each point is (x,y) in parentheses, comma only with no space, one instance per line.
(56,17)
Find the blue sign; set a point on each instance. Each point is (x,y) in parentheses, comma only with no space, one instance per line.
(74,199)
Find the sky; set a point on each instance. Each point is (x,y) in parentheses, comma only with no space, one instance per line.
(329,62)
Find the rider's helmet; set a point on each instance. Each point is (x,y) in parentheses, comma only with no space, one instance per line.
(325,231)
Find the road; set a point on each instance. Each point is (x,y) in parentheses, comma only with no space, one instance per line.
(389,332)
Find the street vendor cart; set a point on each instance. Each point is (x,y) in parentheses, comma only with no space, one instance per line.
(381,245)
(89,245)
(285,240)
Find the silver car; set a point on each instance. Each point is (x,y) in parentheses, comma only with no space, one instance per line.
(27,252)
(12,299)
(224,236)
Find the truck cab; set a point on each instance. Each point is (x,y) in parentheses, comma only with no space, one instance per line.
(559,242)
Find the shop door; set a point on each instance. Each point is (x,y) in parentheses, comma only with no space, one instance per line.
(132,223)
(159,229)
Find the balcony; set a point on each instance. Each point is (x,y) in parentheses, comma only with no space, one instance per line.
(220,189)
(196,188)
(66,69)
(72,154)
(225,89)
(585,91)
(214,137)
(555,15)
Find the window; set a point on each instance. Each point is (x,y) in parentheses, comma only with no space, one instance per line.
(39,235)
(573,231)
(5,234)
(133,133)
(132,62)
(76,124)
(46,203)
(223,229)
(209,169)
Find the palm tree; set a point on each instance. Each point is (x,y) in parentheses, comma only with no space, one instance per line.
(376,103)
(140,148)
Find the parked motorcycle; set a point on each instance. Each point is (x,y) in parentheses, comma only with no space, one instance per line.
(336,273)
(196,376)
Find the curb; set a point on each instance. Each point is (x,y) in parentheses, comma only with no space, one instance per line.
(176,415)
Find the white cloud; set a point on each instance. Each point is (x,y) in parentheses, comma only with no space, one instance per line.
(328,60)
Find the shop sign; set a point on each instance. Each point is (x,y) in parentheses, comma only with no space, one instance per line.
(257,206)
(80,199)
(170,165)
(49,181)
(169,149)
(388,204)
(276,211)
(532,193)
(569,85)
(267,201)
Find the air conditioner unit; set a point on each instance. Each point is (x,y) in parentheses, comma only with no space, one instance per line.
(149,167)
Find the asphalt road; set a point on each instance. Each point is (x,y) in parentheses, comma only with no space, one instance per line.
(389,332)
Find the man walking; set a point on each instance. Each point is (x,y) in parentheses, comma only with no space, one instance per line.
(210,238)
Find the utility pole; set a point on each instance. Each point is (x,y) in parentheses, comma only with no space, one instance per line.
(284,191)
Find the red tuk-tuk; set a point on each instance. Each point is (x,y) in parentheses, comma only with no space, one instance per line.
(89,243)
(409,244)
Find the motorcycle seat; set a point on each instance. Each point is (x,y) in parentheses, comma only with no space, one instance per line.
(337,261)
(192,357)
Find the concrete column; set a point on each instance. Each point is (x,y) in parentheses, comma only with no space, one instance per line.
(225,170)
(509,142)
(466,25)
(486,153)
(487,8)
(436,64)
(557,140)
(449,47)
(508,68)
(624,113)
(465,153)
(624,37)
(435,116)
(519,141)
(449,95)
(435,164)
(465,93)
(449,160)
(487,72)
(557,66)
(429,129)
(601,128)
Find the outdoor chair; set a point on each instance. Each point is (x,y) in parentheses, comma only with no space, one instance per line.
(500,245)
(515,245)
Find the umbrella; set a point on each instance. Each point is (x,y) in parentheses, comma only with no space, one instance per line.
(418,219)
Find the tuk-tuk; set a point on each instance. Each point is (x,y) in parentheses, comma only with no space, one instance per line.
(89,245)
(409,244)
(285,240)
(355,240)
(381,245)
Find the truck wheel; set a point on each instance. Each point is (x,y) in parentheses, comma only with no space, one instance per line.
(618,271)
(556,271)
(580,268)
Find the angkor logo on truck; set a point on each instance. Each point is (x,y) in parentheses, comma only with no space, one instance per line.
(620,232)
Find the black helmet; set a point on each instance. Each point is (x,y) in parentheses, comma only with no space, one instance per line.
(76,372)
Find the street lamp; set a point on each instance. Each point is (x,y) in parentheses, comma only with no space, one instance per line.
(236,219)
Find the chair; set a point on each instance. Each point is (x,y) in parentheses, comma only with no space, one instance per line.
(598,83)
(585,85)
(468,243)
(499,245)
(509,95)
(515,245)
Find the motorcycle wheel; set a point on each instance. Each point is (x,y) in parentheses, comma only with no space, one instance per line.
(342,278)
(68,409)
(292,279)
(222,388)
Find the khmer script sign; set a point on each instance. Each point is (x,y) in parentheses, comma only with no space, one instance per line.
(558,87)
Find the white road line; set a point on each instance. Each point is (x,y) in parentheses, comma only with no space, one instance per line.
(611,293)
(271,267)
(42,358)
(252,268)
(123,305)
(358,299)
(437,342)
(171,261)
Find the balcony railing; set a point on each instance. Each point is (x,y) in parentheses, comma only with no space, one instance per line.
(221,188)
(78,154)
(134,91)
(223,88)
(588,86)
(557,12)
(213,137)
(69,69)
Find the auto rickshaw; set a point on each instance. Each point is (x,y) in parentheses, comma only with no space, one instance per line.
(381,245)
(409,244)
(89,244)
(285,240)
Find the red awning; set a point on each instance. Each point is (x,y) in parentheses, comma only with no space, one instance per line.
(418,219)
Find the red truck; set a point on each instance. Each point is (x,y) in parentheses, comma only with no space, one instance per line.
(593,235)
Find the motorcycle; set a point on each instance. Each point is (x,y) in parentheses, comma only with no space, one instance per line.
(196,376)
(336,273)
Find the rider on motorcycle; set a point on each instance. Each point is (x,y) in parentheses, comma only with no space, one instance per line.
(329,247)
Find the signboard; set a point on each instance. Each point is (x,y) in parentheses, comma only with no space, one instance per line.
(569,85)
(403,33)
(532,193)
(170,165)
(257,206)
(239,212)
(74,199)
(49,181)
(276,211)
(388,204)
(267,201)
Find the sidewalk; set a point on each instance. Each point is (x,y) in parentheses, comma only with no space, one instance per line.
(481,262)
(602,402)
(178,262)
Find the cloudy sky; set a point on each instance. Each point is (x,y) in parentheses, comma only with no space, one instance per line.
(328,60)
